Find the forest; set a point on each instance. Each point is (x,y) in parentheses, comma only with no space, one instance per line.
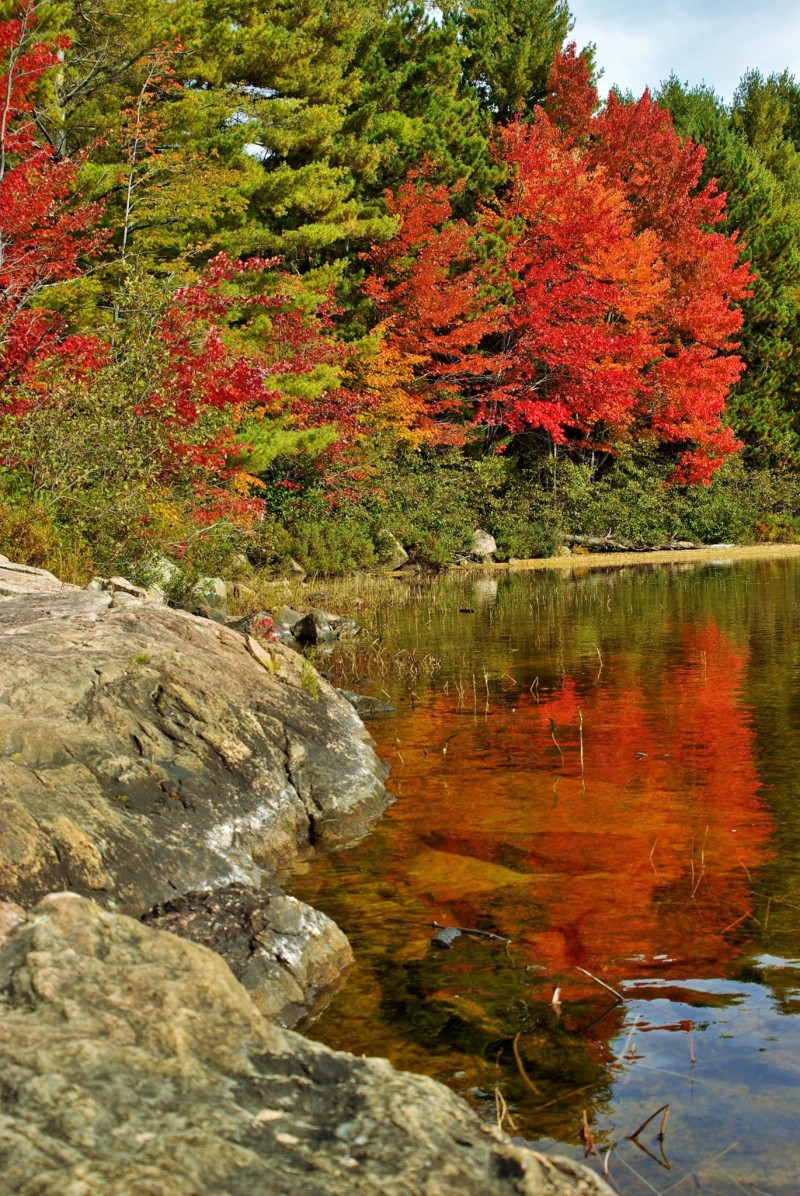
(296,284)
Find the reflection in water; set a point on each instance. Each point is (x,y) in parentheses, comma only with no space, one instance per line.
(581,769)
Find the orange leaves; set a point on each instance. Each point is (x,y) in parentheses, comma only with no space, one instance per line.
(436,311)
(594,301)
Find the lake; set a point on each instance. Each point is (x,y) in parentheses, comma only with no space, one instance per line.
(601,771)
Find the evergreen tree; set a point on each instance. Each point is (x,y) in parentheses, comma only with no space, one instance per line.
(510,47)
(764,206)
(411,105)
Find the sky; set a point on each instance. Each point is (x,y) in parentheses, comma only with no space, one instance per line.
(639,44)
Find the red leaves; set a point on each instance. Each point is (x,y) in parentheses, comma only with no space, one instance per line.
(610,308)
(43,234)
(435,308)
(582,283)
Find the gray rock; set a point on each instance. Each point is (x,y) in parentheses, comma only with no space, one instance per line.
(393,555)
(210,591)
(121,585)
(286,954)
(25,579)
(162,575)
(145,752)
(366,706)
(296,570)
(285,619)
(317,627)
(134,1062)
(482,545)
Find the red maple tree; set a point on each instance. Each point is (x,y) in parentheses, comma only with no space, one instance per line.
(436,307)
(44,234)
(635,146)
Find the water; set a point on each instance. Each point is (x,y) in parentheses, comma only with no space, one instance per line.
(604,770)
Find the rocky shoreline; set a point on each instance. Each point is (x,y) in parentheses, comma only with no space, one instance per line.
(155,769)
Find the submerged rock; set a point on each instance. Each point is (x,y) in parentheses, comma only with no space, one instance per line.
(134,1062)
(367,706)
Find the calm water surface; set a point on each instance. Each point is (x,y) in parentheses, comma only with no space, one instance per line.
(605,770)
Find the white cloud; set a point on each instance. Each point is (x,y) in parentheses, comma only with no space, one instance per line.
(715,41)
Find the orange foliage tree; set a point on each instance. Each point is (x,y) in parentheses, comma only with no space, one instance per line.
(592,303)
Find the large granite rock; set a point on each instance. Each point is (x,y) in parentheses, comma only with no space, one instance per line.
(145,753)
(288,955)
(133,1062)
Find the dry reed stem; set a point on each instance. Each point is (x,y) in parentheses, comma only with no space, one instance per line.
(663,1109)
(521,1067)
(602,984)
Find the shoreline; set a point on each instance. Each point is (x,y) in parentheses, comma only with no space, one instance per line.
(611,560)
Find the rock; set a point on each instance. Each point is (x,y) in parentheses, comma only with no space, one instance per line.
(242,593)
(564,550)
(162,575)
(296,570)
(282,950)
(121,585)
(239,567)
(210,612)
(392,553)
(482,545)
(366,706)
(146,753)
(317,627)
(134,1062)
(444,937)
(285,621)
(25,579)
(210,591)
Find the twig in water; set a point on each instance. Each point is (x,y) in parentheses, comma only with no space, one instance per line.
(555,1000)
(602,984)
(665,1110)
(521,1066)
(652,850)
(769,907)
(736,922)
(692,1056)
(399,753)
(589,1146)
(502,1111)
(580,735)
(553,737)
(565,1096)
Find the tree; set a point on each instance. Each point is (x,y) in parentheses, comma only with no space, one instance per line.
(699,312)
(411,105)
(44,233)
(583,284)
(434,311)
(765,209)
(510,47)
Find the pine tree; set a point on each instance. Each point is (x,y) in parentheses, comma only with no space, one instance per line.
(765,209)
(510,48)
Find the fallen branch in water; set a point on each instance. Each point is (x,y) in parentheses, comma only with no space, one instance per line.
(602,984)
